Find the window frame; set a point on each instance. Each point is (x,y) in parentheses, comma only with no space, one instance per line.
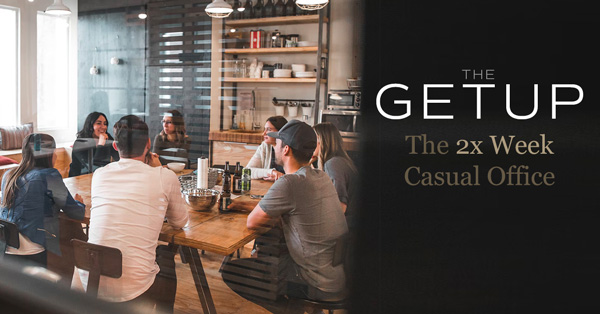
(17,77)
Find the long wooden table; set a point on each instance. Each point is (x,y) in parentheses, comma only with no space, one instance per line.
(221,233)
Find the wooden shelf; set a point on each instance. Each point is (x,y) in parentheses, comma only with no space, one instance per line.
(272,50)
(271,80)
(280,20)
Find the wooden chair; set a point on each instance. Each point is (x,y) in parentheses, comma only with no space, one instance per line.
(9,235)
(98,260)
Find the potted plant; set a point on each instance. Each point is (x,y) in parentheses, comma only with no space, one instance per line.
(306,109)
(292,108)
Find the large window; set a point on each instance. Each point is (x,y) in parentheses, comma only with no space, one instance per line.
(52,71)
(9,65)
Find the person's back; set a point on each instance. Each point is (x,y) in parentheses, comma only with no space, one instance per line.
(39,195)
(129,203)
(312,221)
(130,200)
(32,196)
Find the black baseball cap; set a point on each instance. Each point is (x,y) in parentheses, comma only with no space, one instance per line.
(297,135)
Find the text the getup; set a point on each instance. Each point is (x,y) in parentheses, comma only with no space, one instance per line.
(486,74)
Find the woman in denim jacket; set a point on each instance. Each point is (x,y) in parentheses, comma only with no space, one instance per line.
(32,195)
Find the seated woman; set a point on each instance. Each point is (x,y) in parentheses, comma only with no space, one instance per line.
(93,144)
(262,164)
(172,144)
(333,159)
(32,195)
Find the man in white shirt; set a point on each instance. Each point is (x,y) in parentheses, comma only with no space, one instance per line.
(130,199)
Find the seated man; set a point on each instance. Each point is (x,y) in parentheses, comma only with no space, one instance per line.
(305,202)
(130,199)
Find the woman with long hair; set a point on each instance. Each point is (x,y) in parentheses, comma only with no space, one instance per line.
(94,144)
(262,165)
(32,195)
(334,160)
(172,141)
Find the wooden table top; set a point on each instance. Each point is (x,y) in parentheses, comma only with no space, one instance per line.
(221,233)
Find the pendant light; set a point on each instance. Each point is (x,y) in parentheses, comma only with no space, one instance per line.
(311,4)
(58,8)
(219,9)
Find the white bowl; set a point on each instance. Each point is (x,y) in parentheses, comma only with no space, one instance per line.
(298,68)
(282,73)
(306,74)
(176,166)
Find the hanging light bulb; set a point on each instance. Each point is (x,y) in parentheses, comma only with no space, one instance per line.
(311,4)
(58,8)
(237,5)
(218,9)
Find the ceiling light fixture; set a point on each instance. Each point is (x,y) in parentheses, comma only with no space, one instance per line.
(142,16)
(311,4)
(237,6)
(218,9)
(58,8)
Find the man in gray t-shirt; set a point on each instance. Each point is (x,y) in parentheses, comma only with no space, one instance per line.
(306,204)
(311,220)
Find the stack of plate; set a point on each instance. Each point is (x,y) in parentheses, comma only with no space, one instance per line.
(306,74)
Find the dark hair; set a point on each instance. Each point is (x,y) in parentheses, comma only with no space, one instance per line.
(88,126)
(179,124)
(131,134)
(37,151)
(300,156)
(277,121)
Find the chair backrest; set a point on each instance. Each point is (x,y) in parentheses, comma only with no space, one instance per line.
(10,233)
(98,260)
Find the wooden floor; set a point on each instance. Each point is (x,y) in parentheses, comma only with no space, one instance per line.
(226,301)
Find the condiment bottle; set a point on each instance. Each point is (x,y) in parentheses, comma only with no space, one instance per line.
(246,180)
(225,198)
(237,177)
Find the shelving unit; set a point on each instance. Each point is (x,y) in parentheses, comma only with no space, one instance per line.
(320,52)
(272,50)
(275,21)
(272,80)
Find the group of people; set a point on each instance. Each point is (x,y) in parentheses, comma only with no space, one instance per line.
(133,189)
(312,208)
(94,147)
(329,155)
